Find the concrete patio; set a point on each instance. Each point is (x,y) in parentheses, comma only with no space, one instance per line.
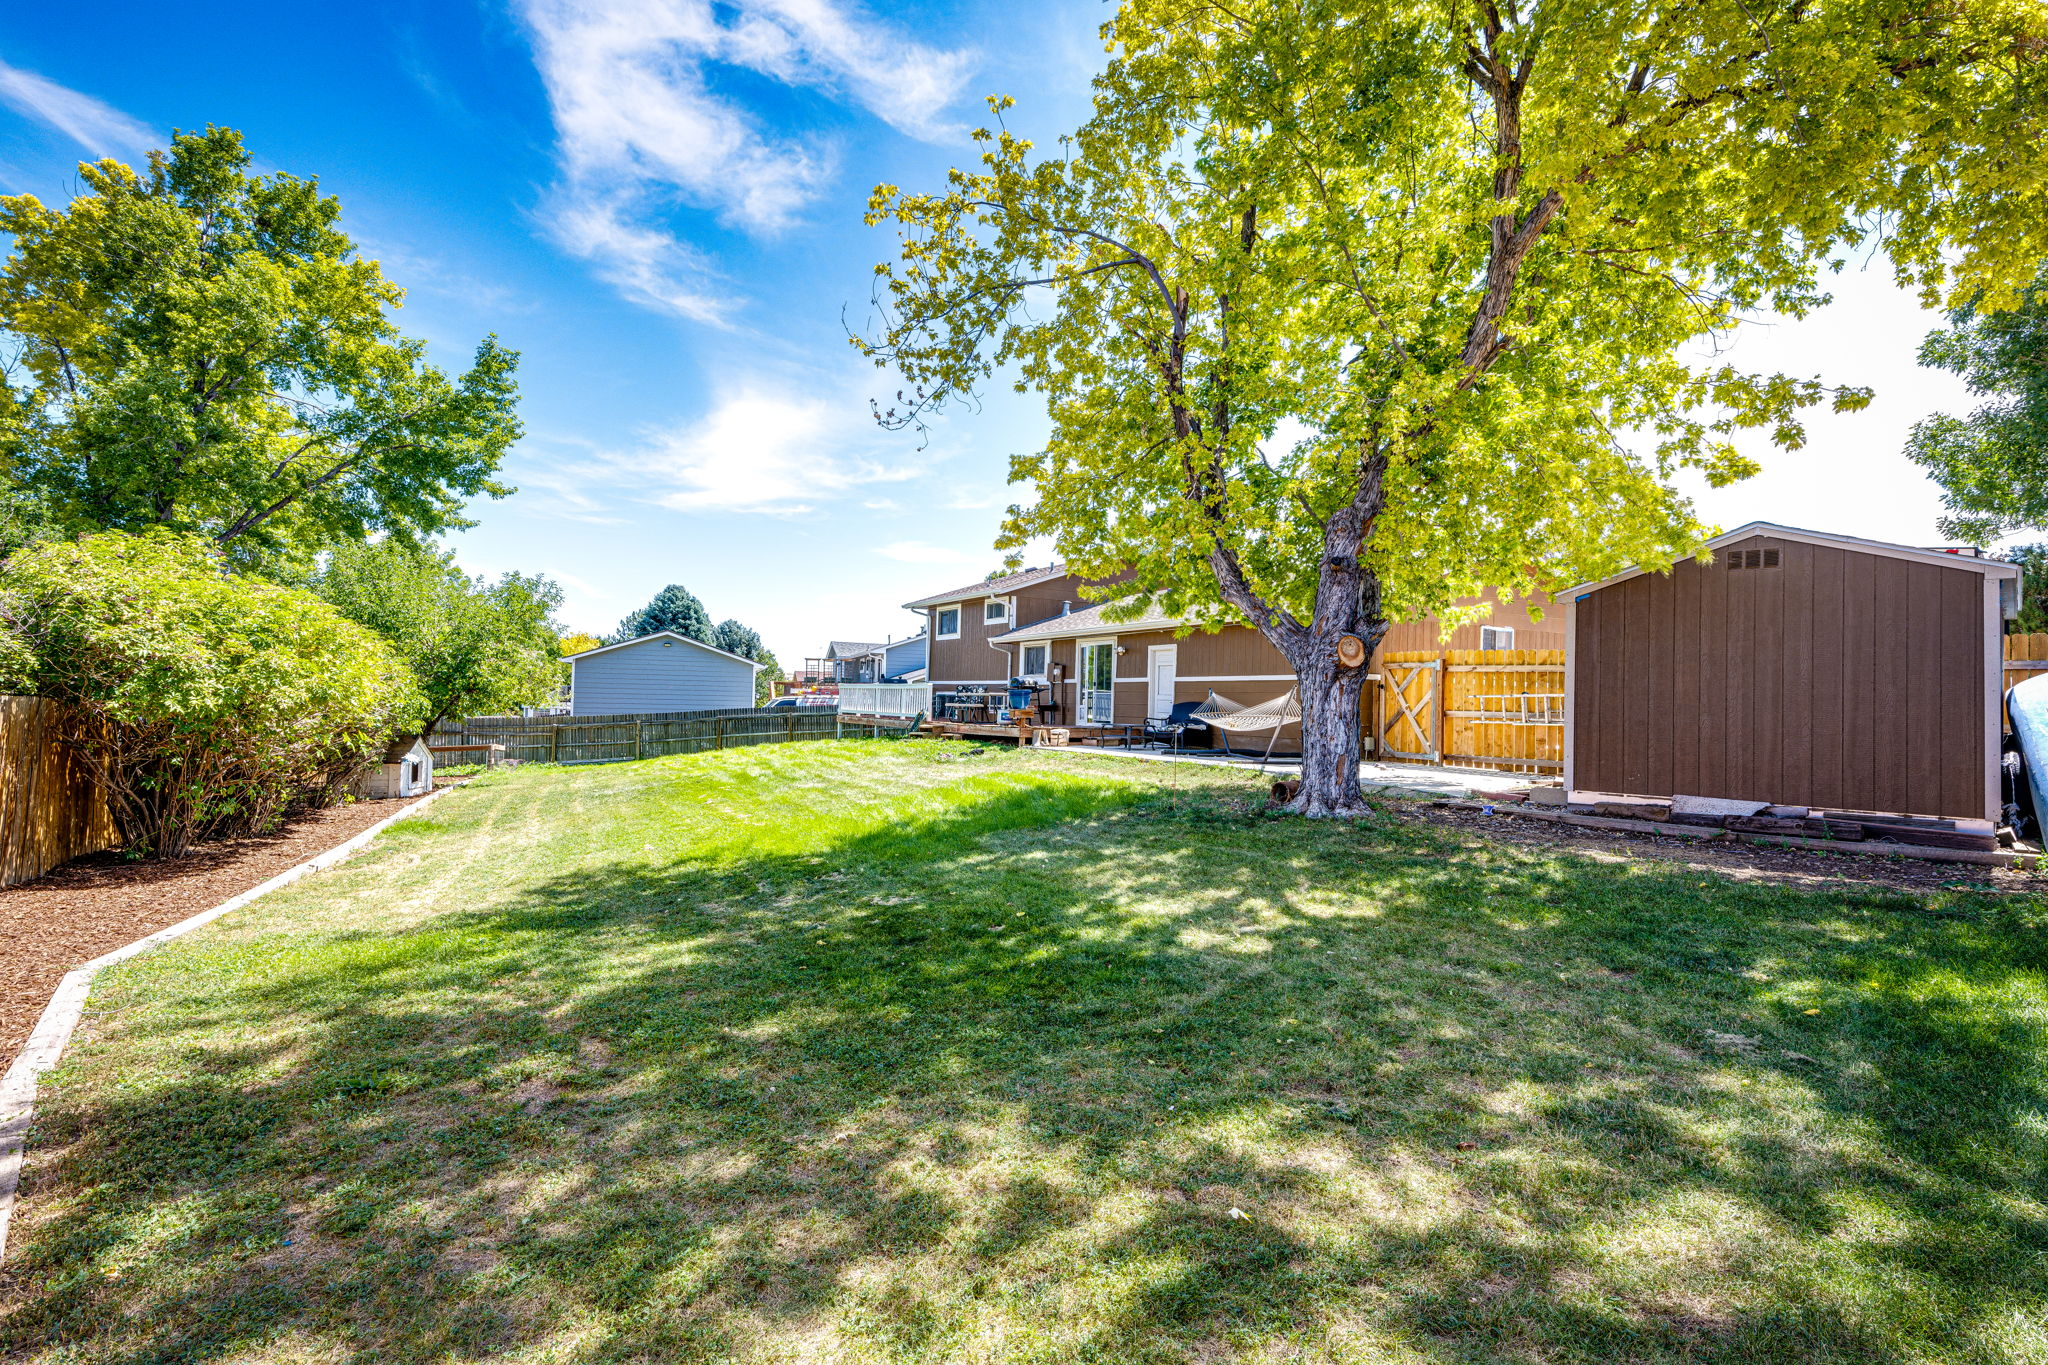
(1398,779)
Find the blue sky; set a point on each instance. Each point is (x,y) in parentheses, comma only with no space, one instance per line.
(657,202)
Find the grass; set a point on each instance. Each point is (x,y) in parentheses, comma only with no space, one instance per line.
(870,1052)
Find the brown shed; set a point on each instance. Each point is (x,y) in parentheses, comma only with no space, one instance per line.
(1796,667)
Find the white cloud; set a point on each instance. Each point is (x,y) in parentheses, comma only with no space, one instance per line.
(93,124)
(640,127)
(760,450)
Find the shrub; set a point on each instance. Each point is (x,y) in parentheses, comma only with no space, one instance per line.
(212,703)
(474,645)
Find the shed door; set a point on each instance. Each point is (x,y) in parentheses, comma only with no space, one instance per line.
(1162,660)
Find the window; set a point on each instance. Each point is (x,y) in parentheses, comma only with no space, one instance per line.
(948,623)
(1496,637)
(993,611)
(1033,665)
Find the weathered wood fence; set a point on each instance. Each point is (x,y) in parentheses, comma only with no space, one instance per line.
(614,739)
(1476,708)
(51,810)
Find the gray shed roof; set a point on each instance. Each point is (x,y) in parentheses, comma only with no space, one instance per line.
(673,635)
(991,587)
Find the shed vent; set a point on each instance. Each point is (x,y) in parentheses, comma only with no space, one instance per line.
(1752,559)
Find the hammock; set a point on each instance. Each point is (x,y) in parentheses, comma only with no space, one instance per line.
(1225,714)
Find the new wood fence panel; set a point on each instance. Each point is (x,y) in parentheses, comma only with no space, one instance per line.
(1484,708)
(51,809)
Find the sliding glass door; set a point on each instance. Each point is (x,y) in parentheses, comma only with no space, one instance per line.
(1097,679)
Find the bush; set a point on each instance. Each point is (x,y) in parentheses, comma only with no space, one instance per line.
(212,703)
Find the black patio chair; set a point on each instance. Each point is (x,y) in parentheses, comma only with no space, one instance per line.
(1166,731)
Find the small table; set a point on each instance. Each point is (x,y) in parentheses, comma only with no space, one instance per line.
(1099,735)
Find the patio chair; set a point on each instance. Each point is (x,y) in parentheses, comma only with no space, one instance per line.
(1166,731)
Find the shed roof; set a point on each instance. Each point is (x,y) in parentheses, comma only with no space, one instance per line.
(1088,621)
(670,635)
(1996,568)
(992,587)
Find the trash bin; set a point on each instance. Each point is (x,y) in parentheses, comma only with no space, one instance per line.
(1020,695)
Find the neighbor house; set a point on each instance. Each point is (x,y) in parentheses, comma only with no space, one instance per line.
(659,673)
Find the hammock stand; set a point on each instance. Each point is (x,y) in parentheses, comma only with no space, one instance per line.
(1221,713)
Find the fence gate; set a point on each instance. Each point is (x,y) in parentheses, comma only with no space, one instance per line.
(1406,727)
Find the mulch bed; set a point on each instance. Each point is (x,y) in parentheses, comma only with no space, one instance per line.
(1743,862)
(95,904)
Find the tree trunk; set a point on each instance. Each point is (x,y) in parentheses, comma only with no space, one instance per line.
(1329,737)
(1347,603)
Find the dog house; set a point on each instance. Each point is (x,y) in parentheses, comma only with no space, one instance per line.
(407,770)
(1793,667)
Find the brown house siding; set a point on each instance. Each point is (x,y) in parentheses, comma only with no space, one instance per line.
(971,658)
(1529,632)
(1840,678)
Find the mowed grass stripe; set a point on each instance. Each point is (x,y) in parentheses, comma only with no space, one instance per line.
(872,1051)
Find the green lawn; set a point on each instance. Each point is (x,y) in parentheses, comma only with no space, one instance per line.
(904,1052)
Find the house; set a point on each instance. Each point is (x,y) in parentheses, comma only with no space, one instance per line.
(1797,667)
(407,769)
(851,661)
(659,673)
(904,660)
(1036,625)
(862,661)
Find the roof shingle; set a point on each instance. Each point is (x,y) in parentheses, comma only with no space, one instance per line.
(991,587)
(1087,621)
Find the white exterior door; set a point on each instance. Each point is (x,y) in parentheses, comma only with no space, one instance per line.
(1097,682)
(1160,661)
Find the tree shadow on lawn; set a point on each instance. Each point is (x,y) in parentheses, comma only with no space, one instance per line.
(1067,1075)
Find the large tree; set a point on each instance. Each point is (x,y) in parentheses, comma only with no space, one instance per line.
(477,645)
(674,608)
(743,640)
(196,347)
(1345,308)
(1993,464)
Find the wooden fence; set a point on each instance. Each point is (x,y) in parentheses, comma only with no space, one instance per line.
(51,809)
(2026,656)
(614,739)
(1477,708)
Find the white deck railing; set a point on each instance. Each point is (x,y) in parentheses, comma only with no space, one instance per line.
(902,700)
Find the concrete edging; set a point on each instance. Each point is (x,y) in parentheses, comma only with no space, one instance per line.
(60,1017)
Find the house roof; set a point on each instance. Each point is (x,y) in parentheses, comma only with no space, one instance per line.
(1996,568)
(670,635)
(1087,621)
(851,649)
(991,587)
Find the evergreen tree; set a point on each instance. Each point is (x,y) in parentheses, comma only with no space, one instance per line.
(745,641)
(674,608)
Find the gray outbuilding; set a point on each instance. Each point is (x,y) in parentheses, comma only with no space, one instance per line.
(657,673)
